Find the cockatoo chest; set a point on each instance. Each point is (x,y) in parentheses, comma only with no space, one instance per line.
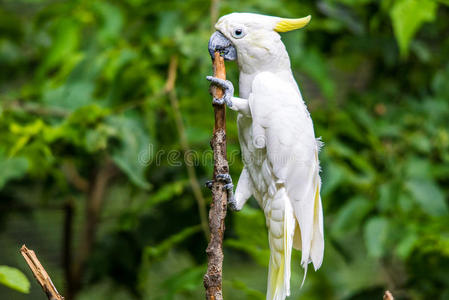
(254,156)
(252,142)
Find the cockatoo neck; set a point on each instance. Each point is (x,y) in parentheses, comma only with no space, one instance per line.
(272,57)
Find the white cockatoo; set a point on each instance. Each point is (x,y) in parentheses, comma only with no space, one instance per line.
(279,148)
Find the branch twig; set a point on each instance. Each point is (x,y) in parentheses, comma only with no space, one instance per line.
(388,296)
(214,8)
(40,274)
(217,212)
(36,109)
(196,187)
(67,241)
(94,202)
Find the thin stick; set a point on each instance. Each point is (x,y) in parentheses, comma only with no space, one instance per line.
(194,183)
(98,186)
(388,296)
(40,274)
(67,241)
(217,212)
(214,7)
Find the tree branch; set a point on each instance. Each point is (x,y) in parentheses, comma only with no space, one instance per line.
(388,296)
(36,109)
(196,187)
(67,247)
(214,8)
(94,202)
(40,274)
(217,212)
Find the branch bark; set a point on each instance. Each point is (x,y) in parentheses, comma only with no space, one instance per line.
(40,274)
(388,296)
(35,109)
(94,203)
(67,240)
(214,8)
(217,212)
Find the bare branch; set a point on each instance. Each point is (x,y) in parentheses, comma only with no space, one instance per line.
(388,296)
(214,8)
(40,274)
(94,202)
(217,212)
(36,109)
(196,187)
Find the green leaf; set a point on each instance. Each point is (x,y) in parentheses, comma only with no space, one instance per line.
(247,222)
(312,63)
(428,195)
(251,294)
(65,42)
(407,17)
(153,252)
(333,176)
(133,144)
(166,192)
(406,245)
(15,279)
(112,18)
(189,279)
(376,236)
(351,215)
(12,168)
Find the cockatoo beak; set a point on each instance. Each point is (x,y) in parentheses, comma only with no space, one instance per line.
(218,42)
(285,25)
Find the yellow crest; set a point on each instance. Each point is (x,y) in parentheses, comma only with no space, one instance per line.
(285,25)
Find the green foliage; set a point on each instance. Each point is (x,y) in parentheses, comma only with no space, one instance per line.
(408,16)
(351,215)
(184,281)
(12,168)
(155,252)
(376,236)
(429,196)
(251,294)
(14,279)
(132,140)
(83,86)
(247,222)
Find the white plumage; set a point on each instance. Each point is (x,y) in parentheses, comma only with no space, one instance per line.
(279,148)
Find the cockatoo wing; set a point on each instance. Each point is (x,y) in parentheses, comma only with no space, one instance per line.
(282,125)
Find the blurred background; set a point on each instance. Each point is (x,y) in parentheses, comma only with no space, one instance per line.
(105,122)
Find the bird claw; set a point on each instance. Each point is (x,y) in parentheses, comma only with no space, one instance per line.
(225,178)
(209,183)
(229,187)
(228,90)
(220,101)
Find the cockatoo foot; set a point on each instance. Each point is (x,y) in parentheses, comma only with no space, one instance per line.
(221,177)
(226,178)
(209,183)
(229,187)
(227,87)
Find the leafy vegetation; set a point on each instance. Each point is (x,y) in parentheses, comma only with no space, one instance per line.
(89,121)
(15,279)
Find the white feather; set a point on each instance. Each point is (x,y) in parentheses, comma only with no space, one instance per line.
(279,148)
(287,160)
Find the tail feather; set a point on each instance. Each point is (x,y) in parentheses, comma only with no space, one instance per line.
(310,219)
(280,258)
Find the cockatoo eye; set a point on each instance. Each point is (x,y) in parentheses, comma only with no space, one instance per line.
(238,33)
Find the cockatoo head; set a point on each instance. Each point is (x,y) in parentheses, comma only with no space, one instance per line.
(252,38)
